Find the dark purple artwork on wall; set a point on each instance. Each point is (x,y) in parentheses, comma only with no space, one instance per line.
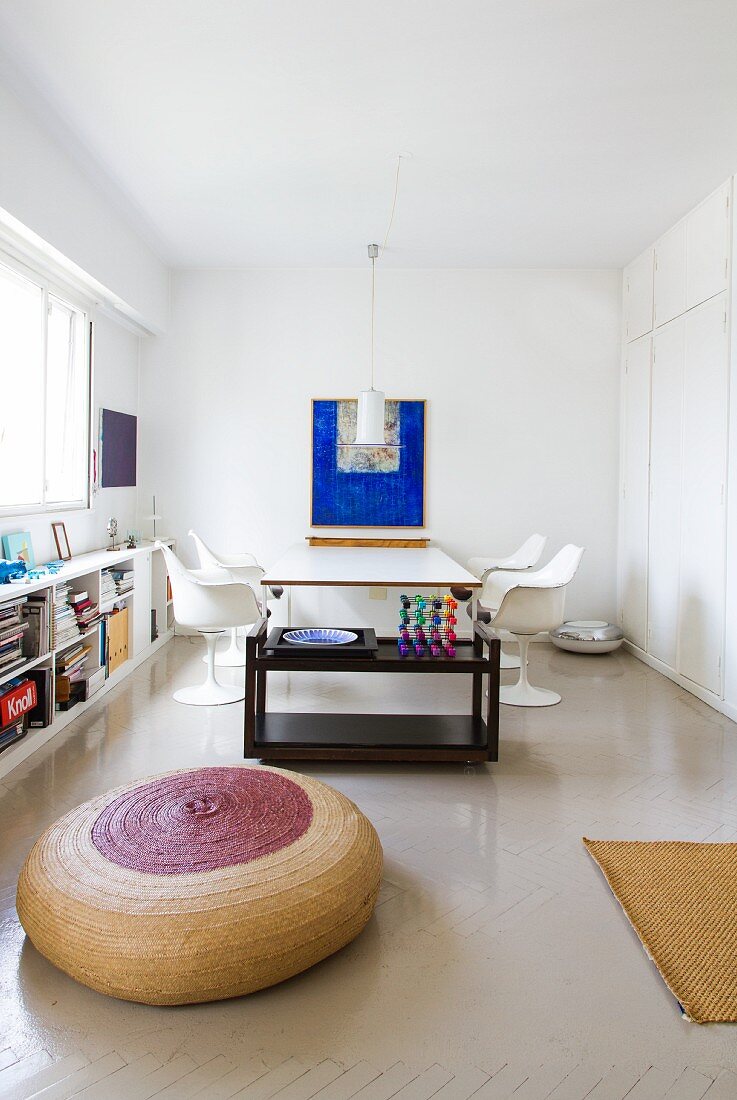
(118,432)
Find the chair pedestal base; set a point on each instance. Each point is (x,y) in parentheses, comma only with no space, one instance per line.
(523,694)
(211,693)
(233,656)
(506,660)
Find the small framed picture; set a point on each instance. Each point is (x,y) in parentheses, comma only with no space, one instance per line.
(62,542)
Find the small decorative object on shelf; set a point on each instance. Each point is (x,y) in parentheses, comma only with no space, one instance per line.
(112,530)
(49,570)
(427,626)
(131,543)
(61,539)
(18,547)
(12,571)
(153,517)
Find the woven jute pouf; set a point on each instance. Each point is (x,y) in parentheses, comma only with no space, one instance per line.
(200,885)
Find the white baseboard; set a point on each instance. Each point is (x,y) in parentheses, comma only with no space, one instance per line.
(705,696)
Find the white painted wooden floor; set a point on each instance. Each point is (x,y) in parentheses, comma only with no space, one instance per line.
(497,963)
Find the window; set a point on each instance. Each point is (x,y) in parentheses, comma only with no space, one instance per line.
(45,397)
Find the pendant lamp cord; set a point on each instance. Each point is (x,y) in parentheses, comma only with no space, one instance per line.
(394,204)
(373,311)
(380,252)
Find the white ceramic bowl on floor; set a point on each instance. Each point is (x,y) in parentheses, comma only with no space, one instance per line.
(587,636)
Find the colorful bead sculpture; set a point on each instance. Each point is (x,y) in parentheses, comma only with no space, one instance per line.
(426,626)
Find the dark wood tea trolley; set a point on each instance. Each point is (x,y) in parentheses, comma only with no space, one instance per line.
(473,737)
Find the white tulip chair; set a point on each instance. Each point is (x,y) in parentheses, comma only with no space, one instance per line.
(526,604)
(242,568)
(205,600)
(525,557)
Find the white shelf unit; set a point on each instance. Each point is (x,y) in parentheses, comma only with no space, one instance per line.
(84,574)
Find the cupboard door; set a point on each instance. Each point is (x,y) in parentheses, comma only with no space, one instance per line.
(665,492)
(670,274)
(634,515)
(702,591)
(142,603)
(638,296)
(707,247)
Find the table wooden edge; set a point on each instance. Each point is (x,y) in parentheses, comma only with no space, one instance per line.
(475,583)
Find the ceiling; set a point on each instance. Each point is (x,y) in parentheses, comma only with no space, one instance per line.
(241,133)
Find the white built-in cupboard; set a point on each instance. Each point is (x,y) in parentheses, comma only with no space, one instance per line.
(675,445)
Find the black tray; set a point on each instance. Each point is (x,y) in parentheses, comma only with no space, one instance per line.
(365,644)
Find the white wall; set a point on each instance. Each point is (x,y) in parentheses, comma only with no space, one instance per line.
(520,370)
(115,387)
(60,209)
(43,188)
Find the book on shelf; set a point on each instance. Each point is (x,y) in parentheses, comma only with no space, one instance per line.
(12,608)
(108,588)
(123,580)
(17,697)
(41,715)
(77,686)
(67,684)
(12,629)
(36,614)
(72,657)
(65,626)
(12,733)
(11,645)
(11,658)
(90,681)
(87,614)
(104,652)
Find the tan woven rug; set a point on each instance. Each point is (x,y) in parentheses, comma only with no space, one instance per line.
(681,899)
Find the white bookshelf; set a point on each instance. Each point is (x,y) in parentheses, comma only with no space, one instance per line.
(84,573)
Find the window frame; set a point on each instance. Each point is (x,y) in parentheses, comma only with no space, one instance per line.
(58,289)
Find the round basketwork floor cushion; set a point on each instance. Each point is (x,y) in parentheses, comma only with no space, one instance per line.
(200,885)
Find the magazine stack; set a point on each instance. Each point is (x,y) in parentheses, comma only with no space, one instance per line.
(12,629)
(65,621)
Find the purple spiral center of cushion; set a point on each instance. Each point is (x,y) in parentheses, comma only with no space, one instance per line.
(201,820)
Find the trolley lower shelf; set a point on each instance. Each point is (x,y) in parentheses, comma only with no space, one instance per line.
(419,737)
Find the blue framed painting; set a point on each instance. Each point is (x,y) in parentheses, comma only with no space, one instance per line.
(368,486)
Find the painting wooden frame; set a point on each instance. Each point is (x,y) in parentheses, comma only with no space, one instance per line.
(321,512)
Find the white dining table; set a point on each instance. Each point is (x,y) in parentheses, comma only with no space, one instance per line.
(369,567)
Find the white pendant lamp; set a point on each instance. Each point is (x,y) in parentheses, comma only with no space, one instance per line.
(371,403)
(370,422)
(370,429)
